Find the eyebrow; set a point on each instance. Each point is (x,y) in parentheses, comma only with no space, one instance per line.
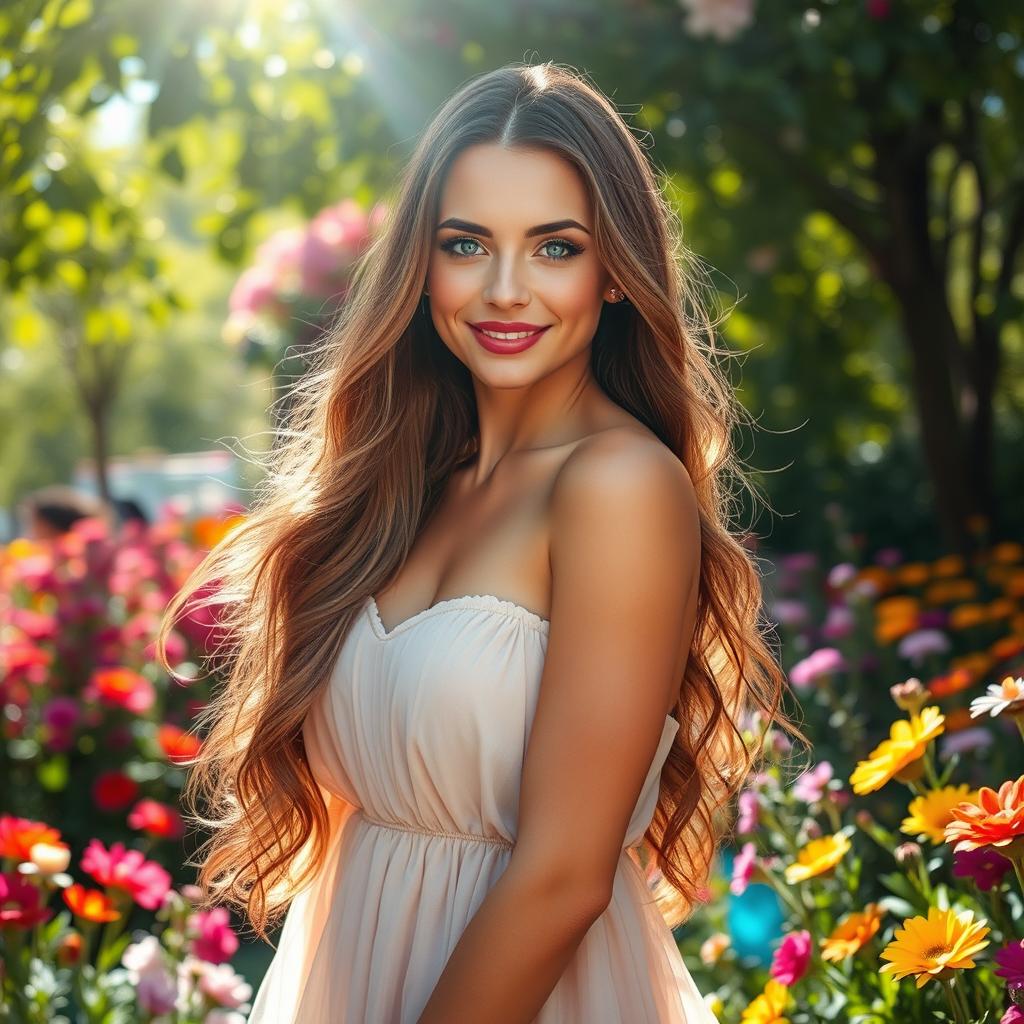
(540,229)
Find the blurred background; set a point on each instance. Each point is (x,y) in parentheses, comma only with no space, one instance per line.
(184,188)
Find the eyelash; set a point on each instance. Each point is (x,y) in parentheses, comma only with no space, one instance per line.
(450,244)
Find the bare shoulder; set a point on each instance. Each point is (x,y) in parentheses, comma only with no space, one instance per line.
(623,471)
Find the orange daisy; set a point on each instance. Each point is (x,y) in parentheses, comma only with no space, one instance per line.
(90,904)
(993,819)
(852,933)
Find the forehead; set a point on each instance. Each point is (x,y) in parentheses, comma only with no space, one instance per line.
(503,186)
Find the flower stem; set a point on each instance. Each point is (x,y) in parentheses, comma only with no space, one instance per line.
(1019,871)
(954,1003)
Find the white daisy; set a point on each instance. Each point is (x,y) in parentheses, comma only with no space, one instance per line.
(1007,696)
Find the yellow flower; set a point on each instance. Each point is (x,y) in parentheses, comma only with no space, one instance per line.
(817,857)
(852,933)
(934,947)
(907,743)
(769,1006)
(933,811)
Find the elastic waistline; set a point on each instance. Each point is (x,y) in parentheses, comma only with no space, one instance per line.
(470,837)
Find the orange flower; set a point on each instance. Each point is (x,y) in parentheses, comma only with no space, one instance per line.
(19,835)
(957,719)
(913,574)
(994,819)
(963,616)
(947,591)
(1007,647)
(178,745)
(950,565)
(953,682)
(90,904)
(852,933)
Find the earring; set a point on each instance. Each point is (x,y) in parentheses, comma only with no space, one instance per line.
(616,295)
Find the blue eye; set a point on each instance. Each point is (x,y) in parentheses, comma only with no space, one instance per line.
(571,248)
(451,245)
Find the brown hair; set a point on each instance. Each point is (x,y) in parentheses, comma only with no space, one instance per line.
(376,428)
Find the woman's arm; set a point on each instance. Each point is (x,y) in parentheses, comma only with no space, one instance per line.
(625,560)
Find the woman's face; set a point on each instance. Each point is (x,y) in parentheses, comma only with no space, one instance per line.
(513,253)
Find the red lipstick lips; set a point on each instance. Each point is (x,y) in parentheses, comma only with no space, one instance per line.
(507,346)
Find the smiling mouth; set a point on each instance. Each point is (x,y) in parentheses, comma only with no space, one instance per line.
(509,335)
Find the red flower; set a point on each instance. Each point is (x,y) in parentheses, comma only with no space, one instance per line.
(127,869)
(123,688)
(113,791)
(90,904)
(21,903)
(160,820)
(17,836)
(178,745)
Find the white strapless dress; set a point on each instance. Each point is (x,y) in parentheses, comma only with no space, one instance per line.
(417,743)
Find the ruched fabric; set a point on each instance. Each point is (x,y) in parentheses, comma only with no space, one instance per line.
(417,743)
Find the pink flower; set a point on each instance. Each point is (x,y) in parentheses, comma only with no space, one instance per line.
(156,819)
(811,786)
(749,808)
(22,904)
(984,865)
(215,942)
(839,576)
(839,622)
(1011,964)
(790,612)
(254,290)
(791,959)
(821,662)
(223,985)
(156,992)
(127,869)
(1013,1015)
(743,869)
(155,987)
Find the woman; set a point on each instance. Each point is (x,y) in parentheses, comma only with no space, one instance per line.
(486,630)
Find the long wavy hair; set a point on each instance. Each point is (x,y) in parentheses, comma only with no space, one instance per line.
(375,429)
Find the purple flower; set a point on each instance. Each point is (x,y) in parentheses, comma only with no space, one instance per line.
(963,742)
(1011,963)
(984,865)
(888,557)
(918,645)
(799,561)
(821,662)
(811,786)
(61,713)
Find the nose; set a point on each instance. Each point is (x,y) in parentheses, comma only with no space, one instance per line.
(505,286)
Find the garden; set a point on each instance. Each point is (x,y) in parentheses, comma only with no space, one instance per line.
(184,196)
